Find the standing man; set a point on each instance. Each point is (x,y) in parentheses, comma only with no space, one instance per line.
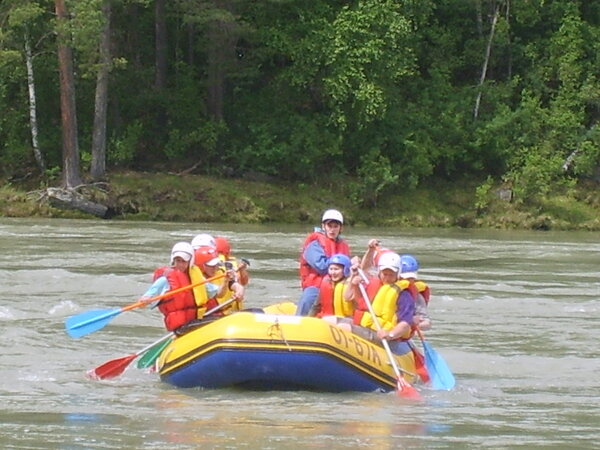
(318,247)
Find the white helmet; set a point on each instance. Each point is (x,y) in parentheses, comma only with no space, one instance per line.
(390,260)
(203,240)
(184,250)
(332,214)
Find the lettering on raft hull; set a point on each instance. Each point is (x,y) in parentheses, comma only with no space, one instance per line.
(362,347)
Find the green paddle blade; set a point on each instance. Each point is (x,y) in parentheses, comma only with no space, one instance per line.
(152,354)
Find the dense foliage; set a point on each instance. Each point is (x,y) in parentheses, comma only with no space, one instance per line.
(388,92)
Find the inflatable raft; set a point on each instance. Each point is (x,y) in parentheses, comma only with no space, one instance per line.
(278,351)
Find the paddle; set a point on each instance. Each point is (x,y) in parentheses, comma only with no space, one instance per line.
(440,374)
(403,387)
(116,367)
(87,322)
(151,355)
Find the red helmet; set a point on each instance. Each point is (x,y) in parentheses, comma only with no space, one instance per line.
(206,255)
(222,245)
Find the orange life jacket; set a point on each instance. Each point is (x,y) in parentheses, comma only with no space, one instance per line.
(308,275)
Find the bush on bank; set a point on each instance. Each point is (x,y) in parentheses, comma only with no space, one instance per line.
(198,198)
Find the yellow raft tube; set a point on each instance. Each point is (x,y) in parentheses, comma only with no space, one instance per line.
(279,351)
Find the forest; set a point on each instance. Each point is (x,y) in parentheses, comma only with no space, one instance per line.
(386,93)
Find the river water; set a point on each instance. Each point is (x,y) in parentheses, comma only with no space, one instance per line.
(516,316)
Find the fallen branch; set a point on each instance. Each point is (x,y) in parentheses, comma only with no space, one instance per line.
(70,199)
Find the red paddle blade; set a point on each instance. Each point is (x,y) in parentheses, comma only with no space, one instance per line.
(420,367)
(406,390)
(110,369)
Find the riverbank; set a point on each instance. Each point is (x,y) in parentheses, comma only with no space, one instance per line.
(197,198)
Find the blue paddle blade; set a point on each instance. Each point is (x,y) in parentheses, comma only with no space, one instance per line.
(440,374)
(89,321)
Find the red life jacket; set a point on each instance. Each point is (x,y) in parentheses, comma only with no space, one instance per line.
(181,307)
(413,291)
(326,297)
(361,306)
(308,275)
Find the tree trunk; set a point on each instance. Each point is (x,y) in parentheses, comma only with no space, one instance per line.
(488,52)
(70,151)
(160,67)
(191,37)
(215,74)
(479,19)
(39,158)
(98,168)
(221,48)
(510,56)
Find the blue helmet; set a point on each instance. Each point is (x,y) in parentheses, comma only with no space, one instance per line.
(408,264)
(342,260)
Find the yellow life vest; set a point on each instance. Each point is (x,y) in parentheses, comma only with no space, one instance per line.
(341,307)
(200,296)
(331,297)
(384,306)
(420,285)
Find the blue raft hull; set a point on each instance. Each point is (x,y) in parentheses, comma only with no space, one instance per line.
(263,351)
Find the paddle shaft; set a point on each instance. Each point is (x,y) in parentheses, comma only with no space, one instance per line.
(158,341)
(386,344)
(167,336)
(102,317)
(174,291)
(116,367)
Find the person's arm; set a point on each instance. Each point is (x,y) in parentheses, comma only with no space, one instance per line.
(351,290)
(237,290)
(367,259)
(243,277)
(230,283)
(421,318)
(159,287)
(315,257)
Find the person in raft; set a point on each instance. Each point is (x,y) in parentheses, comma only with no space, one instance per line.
(230,288)
(409,271)
(223,248)
(334,302)
(185,306)
(318,247)
(393,304)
